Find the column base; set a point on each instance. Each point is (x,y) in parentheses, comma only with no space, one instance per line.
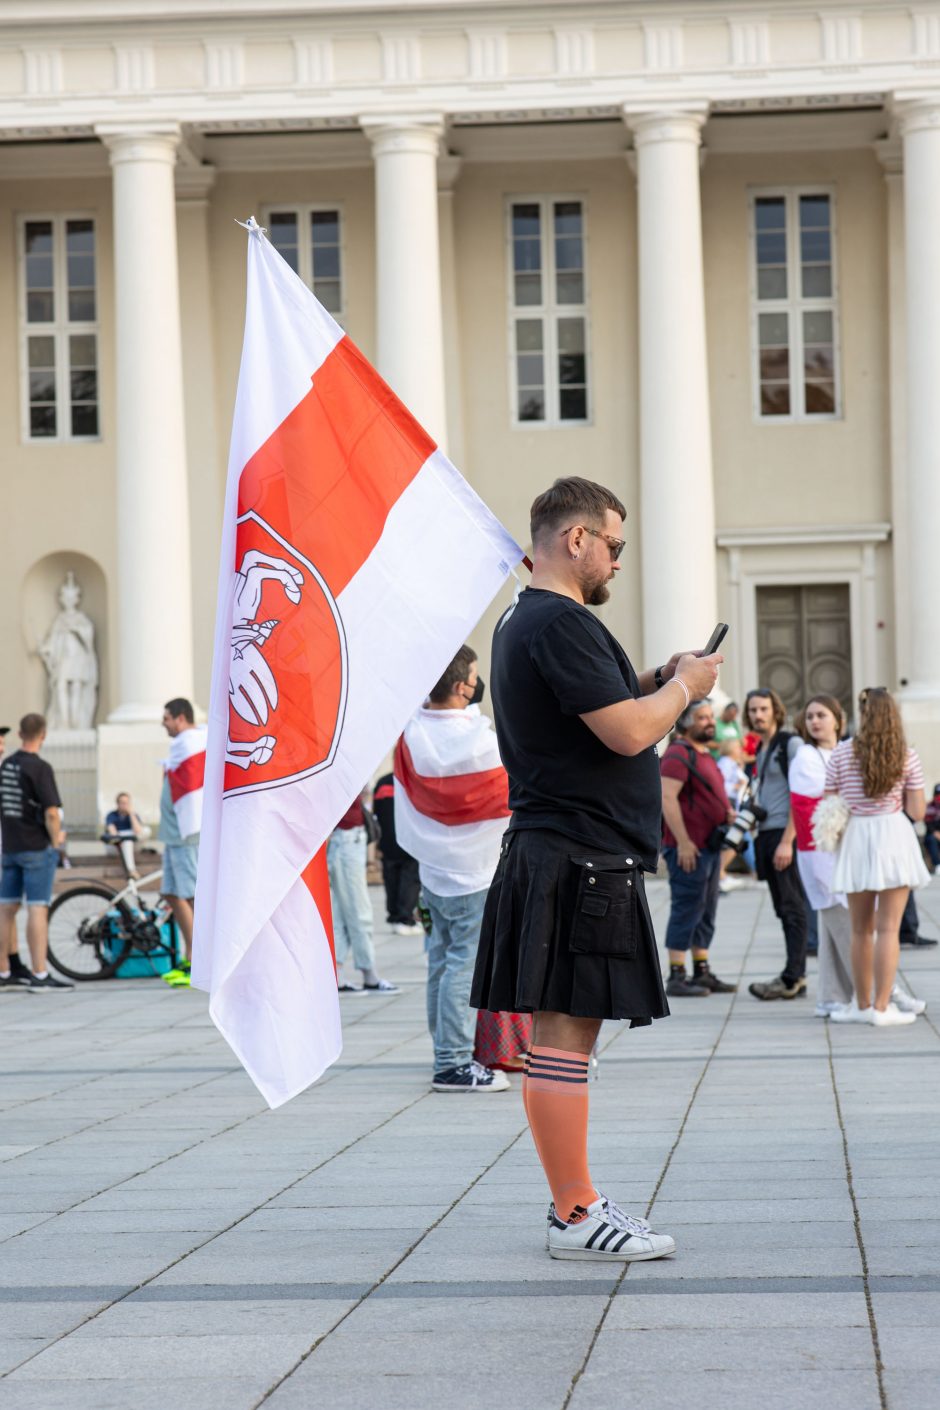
(130,759)
(920,710)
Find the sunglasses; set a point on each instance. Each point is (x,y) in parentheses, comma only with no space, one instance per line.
(616,546)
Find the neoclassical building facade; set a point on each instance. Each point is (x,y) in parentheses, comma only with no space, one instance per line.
(688,249)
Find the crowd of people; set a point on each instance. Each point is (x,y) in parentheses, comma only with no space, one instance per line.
(519,848)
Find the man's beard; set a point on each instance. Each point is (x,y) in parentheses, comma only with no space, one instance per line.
(597,596)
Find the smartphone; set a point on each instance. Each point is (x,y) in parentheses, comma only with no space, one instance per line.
(716,638)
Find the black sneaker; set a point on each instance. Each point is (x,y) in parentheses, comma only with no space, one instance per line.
(19,973)
(918,942)
(47,985)
(682,987)
(474,1077)
(712,983)
(11,984)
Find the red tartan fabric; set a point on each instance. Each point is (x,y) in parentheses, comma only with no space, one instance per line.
(502,1039)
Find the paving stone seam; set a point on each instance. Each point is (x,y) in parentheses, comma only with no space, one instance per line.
(668,1161)
(857,1219)
(398,1262)
(219,1232)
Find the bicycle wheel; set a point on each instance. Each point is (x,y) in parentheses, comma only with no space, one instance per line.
(88,936)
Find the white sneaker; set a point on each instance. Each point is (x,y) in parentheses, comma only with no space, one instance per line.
(401,929)
(729,883)
(596,1236)
(828,1008)
(906,1002)
(890,1017)
(615,1214)
(851,1013)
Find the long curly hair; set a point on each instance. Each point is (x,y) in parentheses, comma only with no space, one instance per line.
(879,745)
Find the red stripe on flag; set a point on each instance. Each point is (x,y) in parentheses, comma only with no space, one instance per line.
(188,776)
(328,476)
(459,798)
(317,881)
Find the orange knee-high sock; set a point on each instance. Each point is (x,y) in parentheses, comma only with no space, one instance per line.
(555,1096)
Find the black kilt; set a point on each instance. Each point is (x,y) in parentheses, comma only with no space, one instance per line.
(567,930)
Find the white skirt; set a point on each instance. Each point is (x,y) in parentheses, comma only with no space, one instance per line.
(878,854)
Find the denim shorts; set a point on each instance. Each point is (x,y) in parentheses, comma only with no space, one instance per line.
(29,875)
(179,870)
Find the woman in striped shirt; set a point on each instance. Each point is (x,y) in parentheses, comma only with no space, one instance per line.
(880,779)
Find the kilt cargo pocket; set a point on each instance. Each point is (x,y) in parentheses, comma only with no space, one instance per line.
(605,913)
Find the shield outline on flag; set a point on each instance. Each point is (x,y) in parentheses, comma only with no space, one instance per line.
(263,785)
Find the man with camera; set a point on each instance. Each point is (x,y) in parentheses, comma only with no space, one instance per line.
(765,714)
(695,814)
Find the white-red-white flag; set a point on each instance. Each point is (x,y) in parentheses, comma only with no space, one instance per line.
(355,560)
(185,768)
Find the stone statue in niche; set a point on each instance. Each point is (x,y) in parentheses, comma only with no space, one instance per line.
(68,654)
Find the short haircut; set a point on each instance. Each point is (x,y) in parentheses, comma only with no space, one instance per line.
(32,726)
(684,722)
(765,693)
(123,794)
(568,502)
(179,705)
(457,671)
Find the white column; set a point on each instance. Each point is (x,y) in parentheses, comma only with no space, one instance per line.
(203,451)
(677,513)
(154,606)
(409,316)
(920,131)
(448,169)
(889,154)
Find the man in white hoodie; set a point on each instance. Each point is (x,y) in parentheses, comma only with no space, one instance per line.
(451,810)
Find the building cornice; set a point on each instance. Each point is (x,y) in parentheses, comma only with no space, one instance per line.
(240,65)
(787,535)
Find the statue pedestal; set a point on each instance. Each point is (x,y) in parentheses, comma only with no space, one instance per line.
(73,755)
(130,759)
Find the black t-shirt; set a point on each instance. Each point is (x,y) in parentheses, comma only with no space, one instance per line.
(383,806)
(553,660)
(27,789)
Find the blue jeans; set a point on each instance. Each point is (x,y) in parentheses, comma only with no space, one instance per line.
(349,893)
(694,900)
(29,874)
(452,953)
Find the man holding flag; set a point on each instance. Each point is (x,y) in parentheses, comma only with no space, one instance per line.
(327,640)
(451,810)
(567,933)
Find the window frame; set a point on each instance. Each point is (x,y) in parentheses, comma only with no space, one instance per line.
(303,210)
(795,305)
(549,312)
(60,329)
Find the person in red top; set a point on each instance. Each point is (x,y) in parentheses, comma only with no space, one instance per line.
(695,806)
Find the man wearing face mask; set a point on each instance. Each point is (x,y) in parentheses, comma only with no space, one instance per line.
(451,810)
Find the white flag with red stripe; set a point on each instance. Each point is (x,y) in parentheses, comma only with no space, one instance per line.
(451,796)
(185,767)
(355,559)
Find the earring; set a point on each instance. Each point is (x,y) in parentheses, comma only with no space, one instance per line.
(576,555)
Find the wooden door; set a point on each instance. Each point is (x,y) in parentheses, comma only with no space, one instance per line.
(804,642)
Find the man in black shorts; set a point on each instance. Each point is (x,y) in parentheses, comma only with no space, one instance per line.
(566,931)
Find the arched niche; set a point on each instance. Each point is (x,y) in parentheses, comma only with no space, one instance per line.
(39,603)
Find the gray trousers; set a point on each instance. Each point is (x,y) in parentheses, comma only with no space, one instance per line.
(835,984)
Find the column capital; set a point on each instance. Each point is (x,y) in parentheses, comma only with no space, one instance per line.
(666,124)
(890,154)
(143,142)
(448,170)
(404,132)
(917,114)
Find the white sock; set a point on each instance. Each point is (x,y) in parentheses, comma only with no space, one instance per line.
(41,974)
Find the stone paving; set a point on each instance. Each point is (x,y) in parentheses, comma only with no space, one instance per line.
(166,1242)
